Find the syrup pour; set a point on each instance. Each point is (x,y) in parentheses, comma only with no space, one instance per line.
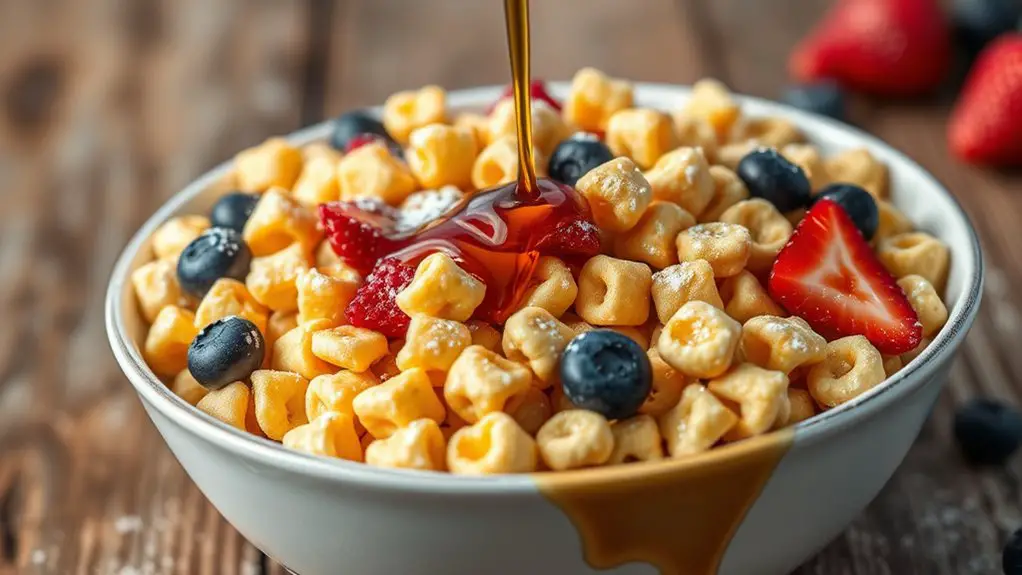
(516,14)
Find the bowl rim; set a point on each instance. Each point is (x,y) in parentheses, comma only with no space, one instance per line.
(157,395)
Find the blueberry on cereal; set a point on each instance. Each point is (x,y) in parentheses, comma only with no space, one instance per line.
(858,203)
(606,372)
(350,125)
(988,431)
(574,157)
(227,350)
(769,175)
(233,210)
(823,98)
(217,253)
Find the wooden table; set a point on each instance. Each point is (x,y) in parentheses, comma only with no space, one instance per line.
(107,107)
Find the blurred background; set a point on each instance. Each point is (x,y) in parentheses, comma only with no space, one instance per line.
(108,107)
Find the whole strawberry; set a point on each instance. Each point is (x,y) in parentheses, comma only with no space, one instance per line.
(882,47)
(986,123)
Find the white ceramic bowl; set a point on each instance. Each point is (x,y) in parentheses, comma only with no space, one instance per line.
(756,507)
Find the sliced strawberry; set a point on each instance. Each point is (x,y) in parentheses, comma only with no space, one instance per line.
(986,124)
(357,231)
(538,91)
(828,276)
(374,305)
(578,238)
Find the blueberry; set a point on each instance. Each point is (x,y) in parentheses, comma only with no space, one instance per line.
(858,203)
(356,123)
(771,176)
(574,157)
(977,22)
(1011,557)
(824,98)
(217,253)
(233,210)
(988,431)
(227,350)
(606,372)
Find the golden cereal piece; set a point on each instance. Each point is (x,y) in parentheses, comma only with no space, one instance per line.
(482,382)
(185,387)
(420,445)
(156,287)
(674,286)
(696,422)
(925,301)
(682,177)
(633,333)
(497,163)
(229,404)
(323,297)
(699,340)
(326,257)
(652,239)
(642,134)
(536,338)
(170,239)
(770,132)
(892,222)
(618,194)
(279,221)
(908,356)
(859,167)
(768,229)
(317,150)
(273,164)
(548,129)
(614,292)
(694,132)
(280,322)
(229,297)
(744,298)
(807,157)
(477,125)
(636,439)
(552,287)
(386,367)
(433,344)
(279,401)
(495,444)
(781,344)
(892,364)
(349,347)
(530,409)
(558,401)
(593,99)
(441,289)
(273,280)
(329,435)
(726,247)
(729,155)
(915,253)
(728,190)
(575,438)
(371,171)
(406,111)
(712,101)
(666,388)
(293,352)
(760,395)
(427,205)
(166,344)
(441,155)
(800,407)
(318,182)
(852,367)
(395,403)
(335,392)
(484,334)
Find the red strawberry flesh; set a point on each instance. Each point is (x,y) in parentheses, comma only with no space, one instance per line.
(538,91)
(827,275)
(357,231)
(374,305)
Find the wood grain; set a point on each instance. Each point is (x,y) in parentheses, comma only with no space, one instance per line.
(107,107)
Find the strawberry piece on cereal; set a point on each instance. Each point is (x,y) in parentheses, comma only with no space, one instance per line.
(374,306)
(358,231)
(827,275)
(537,88)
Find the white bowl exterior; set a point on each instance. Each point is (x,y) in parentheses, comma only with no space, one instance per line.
(323,517)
